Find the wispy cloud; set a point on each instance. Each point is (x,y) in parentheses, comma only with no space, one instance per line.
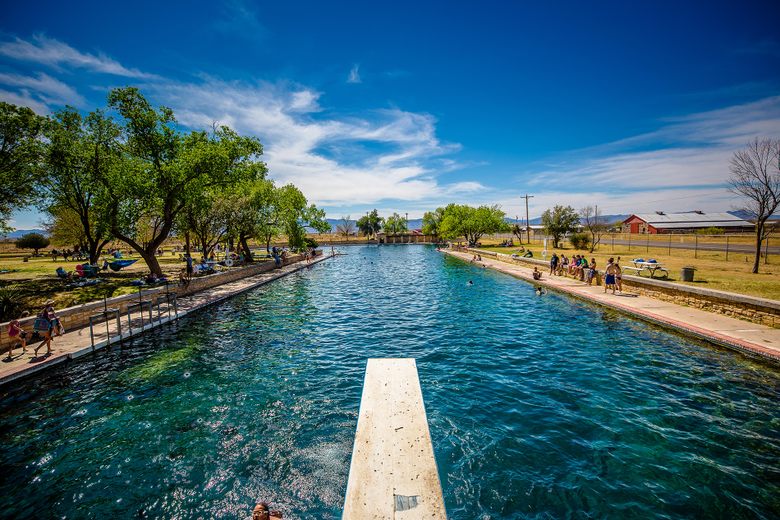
(240,18)
(48,51)
(286,117)
(354,74)
(686,153)
(44,88)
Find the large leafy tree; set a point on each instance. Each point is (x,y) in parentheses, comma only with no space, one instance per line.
(33,241)
(471,223)
(395,224)
(20,129)
(78,153)
(164,168)
(252,211)
(370,224)
(755,175)
(431,221)
(558,221)
(207,218)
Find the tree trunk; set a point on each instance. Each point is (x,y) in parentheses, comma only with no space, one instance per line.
(245,247)
(187,241)
(757,259)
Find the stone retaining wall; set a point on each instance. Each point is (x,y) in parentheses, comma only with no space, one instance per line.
(748,308)
(78,315)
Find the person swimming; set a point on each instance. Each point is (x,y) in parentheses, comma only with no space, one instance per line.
(540,290)
(469,283)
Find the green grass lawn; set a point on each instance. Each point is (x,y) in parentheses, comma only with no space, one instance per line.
(713,271)
(35,281)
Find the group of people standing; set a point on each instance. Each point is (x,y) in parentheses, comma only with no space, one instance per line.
(586,271)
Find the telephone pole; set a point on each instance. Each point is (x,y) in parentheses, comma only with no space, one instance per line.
(527,222)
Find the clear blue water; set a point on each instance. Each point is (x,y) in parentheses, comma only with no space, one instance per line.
(539,407)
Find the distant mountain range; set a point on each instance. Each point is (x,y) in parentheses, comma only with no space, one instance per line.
(21,232)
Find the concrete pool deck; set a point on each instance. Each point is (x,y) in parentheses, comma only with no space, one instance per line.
(754,340)
(77,342)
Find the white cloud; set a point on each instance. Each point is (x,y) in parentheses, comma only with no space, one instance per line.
(46,89)
(54,53)
(287,119)
(688,155)
(354,74)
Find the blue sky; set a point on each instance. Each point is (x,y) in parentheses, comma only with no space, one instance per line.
(634,106)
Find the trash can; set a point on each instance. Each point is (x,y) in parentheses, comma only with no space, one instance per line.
(686,274)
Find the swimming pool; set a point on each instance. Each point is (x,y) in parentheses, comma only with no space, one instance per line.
(538,406)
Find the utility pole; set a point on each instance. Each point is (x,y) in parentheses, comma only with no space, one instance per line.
(527,222)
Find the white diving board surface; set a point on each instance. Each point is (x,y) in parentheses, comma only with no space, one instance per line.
(393,473)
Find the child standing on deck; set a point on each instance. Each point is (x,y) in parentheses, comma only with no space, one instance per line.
(17,335)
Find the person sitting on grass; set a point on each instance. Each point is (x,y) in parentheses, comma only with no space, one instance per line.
(537,274)
(17,335)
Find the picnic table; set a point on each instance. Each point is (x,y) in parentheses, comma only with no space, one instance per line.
(641,266)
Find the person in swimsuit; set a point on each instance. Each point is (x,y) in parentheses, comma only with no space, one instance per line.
(609,280)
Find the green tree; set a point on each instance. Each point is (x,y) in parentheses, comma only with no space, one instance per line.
(471,223)
(207,219)
(65,228)
(20,129)
(78,153)
(558,221)
(164,168)
(252,203)
(395,224)
(33,241)
(431,221)
(370,224)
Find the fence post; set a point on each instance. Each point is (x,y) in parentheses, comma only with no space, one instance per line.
(647,244)
(629,242)
(696,246)
(670,244)
(727,248)
(766,251)
(613,242)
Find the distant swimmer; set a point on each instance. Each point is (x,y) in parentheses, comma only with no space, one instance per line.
(540,291)
(469,283)
(263,512)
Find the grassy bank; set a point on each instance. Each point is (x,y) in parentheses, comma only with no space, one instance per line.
(713,271)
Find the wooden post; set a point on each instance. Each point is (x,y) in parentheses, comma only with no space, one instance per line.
(727,248)
(696,246)
(647,244)
(670,244)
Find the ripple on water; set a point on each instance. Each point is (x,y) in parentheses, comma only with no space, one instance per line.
(540,407)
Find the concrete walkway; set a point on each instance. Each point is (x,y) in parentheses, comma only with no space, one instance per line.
(76,343)
(749,338)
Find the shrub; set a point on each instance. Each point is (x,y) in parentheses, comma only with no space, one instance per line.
(580,240)
(310,242)
(10,303)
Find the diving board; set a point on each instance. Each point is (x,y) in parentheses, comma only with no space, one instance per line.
(393,472)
